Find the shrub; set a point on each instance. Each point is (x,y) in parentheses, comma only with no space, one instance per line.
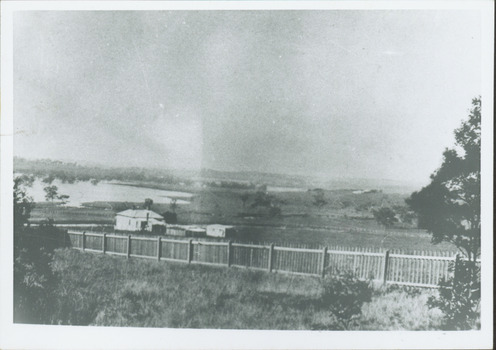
(344,295)
(34,281)
(385,216)
(459,297)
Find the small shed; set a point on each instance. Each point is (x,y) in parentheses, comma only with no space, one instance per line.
(195,231)
(185,231)
(176,230)
(139,220)
(220,231)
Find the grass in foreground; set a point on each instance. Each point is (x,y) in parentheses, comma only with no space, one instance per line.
(401,309)
(112,291)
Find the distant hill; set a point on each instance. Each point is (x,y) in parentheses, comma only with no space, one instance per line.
(72,171)
(385,185)
(308,182)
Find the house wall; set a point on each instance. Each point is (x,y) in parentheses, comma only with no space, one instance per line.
(216,231)
(175,231)
(123,223)
(195,233)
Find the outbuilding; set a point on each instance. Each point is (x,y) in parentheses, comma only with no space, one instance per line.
(195,231)
(220,230)
(185,231)
(176,230)
(139,220)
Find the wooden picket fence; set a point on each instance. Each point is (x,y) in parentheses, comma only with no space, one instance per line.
(422,269)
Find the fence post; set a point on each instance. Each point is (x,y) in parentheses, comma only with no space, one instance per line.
(104,243)
(128,246)
(84,240)
(190,250)
(271,256)
(159,247)
(385,267)
(229,253)
(324,262)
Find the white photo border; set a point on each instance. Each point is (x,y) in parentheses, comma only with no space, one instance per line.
(19,336)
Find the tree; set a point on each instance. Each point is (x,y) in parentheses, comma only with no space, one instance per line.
(52,193)
(49,179)
(404,213)
(63,198)
(23,204)
(244,198)
(170,217)
(148,203)
(262,199)
(33,248)
(319,198)
(34,281)
(385,216)
(449,207)
(459,297)
(173,204)
(265,200)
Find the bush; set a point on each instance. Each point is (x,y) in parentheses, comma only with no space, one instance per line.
(385,216)
(459,297)
(34,280)
(344,295)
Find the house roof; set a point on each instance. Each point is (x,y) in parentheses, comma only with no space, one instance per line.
(219,226)
(195,229)
(140,214)
(156,222)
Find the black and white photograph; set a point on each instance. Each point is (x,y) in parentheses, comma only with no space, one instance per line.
(279,175)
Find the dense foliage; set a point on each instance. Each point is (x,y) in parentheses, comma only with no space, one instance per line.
(23,204)
(385,216)
(344,295)
(449,207)
(34,280)
(170,217)
(319,198)
(268,203)
(459,297)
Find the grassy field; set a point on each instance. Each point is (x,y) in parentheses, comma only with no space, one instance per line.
(112,291)
(62,215)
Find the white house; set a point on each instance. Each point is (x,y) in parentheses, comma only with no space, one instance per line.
(139,220)
(219,230)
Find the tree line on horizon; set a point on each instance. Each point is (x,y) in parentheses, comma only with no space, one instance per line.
(73,172)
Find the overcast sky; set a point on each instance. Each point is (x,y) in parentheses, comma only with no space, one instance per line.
(368,94)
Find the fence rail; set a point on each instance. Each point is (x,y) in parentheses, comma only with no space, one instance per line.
(388,267)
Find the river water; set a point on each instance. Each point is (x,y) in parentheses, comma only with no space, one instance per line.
(81,192)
